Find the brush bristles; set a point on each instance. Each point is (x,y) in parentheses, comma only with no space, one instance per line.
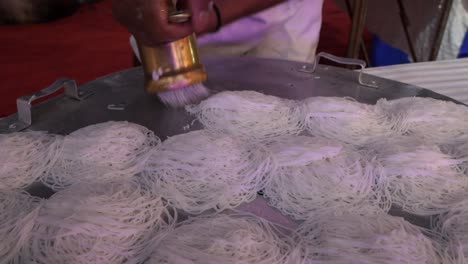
(181,97)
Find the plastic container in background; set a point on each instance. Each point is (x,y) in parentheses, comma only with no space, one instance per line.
(464,48)
(382,54)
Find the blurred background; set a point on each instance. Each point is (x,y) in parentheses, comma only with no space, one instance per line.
(81,40)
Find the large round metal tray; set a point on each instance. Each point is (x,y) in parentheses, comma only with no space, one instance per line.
(120,96)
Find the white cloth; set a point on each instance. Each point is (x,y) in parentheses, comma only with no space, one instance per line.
(447,77)
(287,31)
(457,26)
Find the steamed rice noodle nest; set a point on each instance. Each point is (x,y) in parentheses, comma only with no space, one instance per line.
(458,149)
(111,222)
(315,174)
(25,156)
(201,170)
(248,114)
(454,226)
(18,211)
(436,120)
(422,179)
(343,119)
(357,238)
(101,152)
(222,238)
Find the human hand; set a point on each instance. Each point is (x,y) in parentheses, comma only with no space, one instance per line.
(148,20)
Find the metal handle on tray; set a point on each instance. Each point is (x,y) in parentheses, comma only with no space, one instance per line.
(345,61)
(24,103)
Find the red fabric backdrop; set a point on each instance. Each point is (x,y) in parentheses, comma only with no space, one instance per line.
(91,44)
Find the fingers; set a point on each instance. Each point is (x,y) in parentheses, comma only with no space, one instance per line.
(148,21)
(157,25)
(202,14)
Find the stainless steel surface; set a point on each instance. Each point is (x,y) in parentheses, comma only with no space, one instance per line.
(120,91)
(275,77)
(24,103)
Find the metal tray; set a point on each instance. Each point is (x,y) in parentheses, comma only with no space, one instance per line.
(120,96)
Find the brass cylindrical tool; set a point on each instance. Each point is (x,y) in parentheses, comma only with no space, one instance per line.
(172,65)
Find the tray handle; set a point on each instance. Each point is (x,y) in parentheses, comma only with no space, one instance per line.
(24,103)
(341,60)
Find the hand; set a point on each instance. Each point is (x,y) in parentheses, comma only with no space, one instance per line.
(148,20)
(203,16)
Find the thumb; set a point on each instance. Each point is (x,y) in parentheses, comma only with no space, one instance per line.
(201,22)
(201,14)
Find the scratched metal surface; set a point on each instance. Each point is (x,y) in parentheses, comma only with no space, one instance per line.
(62,115)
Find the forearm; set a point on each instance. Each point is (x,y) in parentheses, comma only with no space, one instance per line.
(148,19)
(232,10)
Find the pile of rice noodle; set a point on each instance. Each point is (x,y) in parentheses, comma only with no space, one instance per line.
(25,156)
(458,149)
(18,211)
(422,179)
(343,119)
(101,152)
(237,238)
(437,120)
(201,170)
(454,226)
(315,174)
(248,113)
(98,223)
(354,238)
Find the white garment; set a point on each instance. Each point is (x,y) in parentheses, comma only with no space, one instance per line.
(454,34)
(383,20)
(287,31)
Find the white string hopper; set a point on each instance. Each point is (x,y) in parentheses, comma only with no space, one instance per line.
(25,156)
(355,238)
(423,180)
(111,222)
(18,212)
(248,114)
(202,170)
(222,238)
(436,120)
(101,152)
(454,226)
(315,174)
(344,119)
